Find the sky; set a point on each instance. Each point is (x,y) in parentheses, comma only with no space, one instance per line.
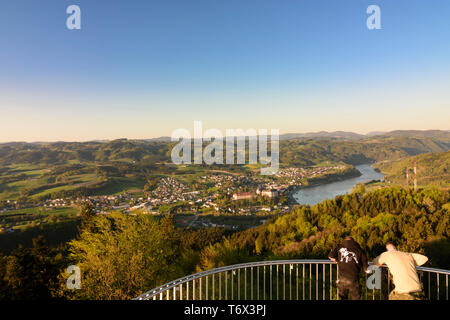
(142,69)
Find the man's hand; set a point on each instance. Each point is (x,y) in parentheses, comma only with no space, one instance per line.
(332,259)
(377,263)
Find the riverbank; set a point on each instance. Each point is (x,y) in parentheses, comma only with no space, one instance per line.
(330,178)
(315,182)
(318,191)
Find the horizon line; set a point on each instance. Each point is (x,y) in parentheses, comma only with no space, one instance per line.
(371,133)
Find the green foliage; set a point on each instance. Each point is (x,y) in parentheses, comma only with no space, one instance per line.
(432,169)
(87,213)
(56,234)
(30,273)
(416,221)
(223,254)
(125,256)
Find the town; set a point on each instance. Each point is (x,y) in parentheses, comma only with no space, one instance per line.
(195,202)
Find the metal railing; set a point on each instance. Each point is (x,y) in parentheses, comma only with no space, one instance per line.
(284,280)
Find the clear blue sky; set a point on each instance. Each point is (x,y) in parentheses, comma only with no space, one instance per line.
(141,69)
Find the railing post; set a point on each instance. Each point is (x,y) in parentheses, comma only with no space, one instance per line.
(323,282)
(429,294)
(446,287)
(337,277)
(239,284)
(270,282)
(437,280)
(251,292)
(232,284)
(296,279)
(245,283)
(310,281)
(284,281)
(303,280)
(331,281)
(290,281)
(226,285)
(278,284)
(389,282)
(257,282)
(317,281)
(206,288)
(264,279)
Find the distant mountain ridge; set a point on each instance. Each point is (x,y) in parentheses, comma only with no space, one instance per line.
(323,134)
(294,149)
(356,136)
(286,136)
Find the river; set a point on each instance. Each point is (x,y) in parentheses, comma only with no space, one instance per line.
(314,195)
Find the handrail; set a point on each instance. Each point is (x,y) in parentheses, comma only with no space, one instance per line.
(205,273)
(198,275)
(441,271)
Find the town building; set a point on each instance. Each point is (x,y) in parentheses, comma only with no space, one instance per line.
(243,195)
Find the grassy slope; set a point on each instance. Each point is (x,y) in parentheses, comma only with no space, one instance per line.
(432,169)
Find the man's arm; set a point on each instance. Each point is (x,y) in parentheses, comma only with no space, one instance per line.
(419,259)
(333,255)
(378,261)
(365,265)
(362,257)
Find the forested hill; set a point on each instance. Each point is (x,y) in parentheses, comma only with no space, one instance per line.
(298,151)
(415,221)
(432,169)
(399,144)
(70,152)
(415,142)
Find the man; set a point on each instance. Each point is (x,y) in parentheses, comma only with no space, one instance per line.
(350,259)
(402,266)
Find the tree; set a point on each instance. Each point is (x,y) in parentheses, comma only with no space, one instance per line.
(30,273)
(125,256)
(87,213)
(3,284)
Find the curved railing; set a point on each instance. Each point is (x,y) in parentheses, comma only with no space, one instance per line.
(287,280)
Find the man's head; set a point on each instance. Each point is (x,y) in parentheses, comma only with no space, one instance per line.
(390,246)
(348,238)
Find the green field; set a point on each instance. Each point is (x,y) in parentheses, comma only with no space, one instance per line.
(37,182)
(24,218)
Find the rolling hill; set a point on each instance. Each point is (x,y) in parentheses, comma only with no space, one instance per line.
(432,169)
